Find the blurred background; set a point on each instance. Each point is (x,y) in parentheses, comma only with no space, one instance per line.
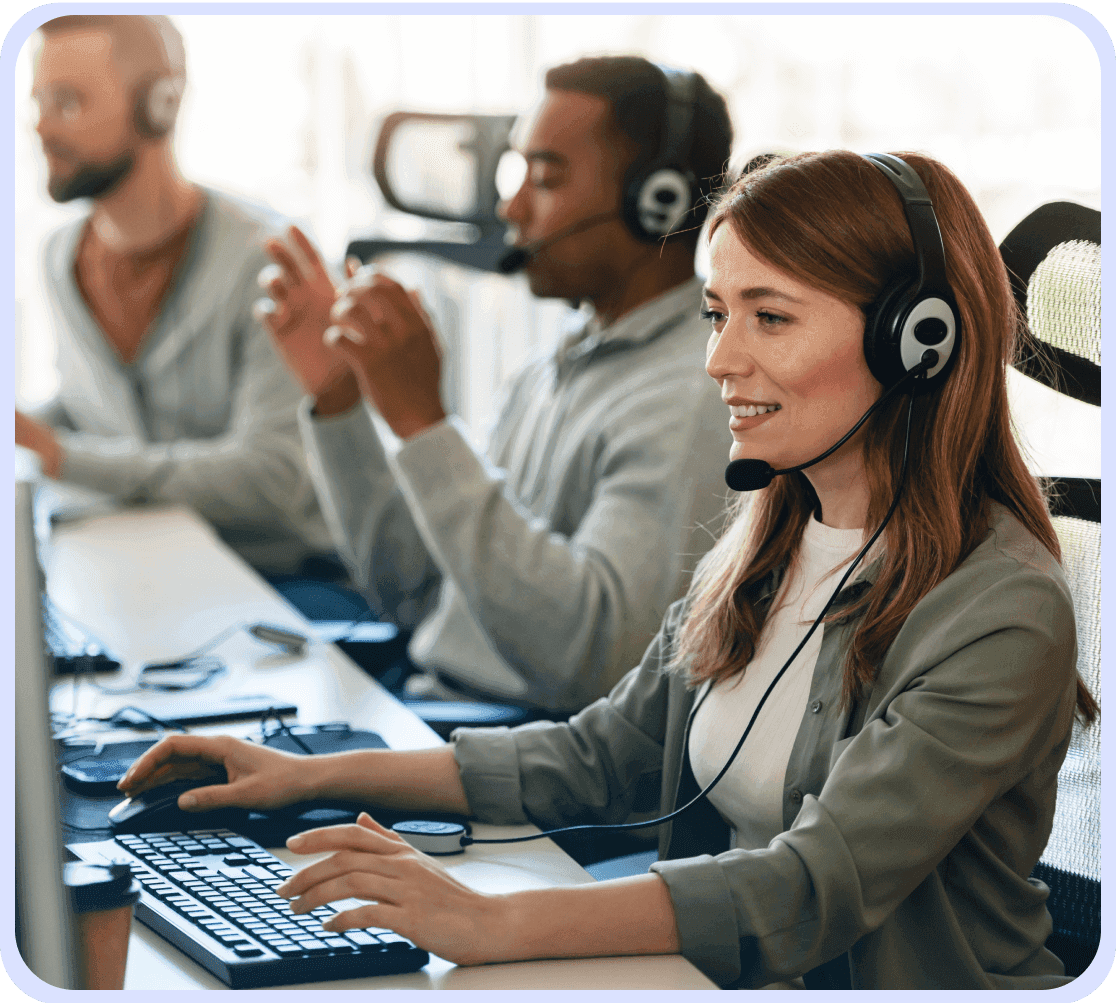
(285,109)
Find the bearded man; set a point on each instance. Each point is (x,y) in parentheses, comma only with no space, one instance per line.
(169,389)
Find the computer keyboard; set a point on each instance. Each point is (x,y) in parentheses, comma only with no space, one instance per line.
(211,893)
(70,648)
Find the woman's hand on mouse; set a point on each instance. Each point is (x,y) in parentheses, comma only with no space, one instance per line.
(258,777)
(407,891)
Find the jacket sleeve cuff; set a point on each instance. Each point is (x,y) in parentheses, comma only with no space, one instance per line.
(704,915)
(489,765)
(336,439)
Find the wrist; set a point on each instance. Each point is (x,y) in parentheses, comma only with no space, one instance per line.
(510,921)
(408,426)
(341,396)
(321,779)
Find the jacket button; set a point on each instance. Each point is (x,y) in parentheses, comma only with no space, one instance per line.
(816,706)
(796,796)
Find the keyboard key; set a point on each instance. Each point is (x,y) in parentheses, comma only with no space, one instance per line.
(259,872)
(361,938)
(232,938)
(247,952)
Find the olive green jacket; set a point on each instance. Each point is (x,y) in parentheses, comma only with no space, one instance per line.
(913,818)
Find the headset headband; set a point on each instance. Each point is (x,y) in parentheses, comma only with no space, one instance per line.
(678,116)
(929,249)
(909,317)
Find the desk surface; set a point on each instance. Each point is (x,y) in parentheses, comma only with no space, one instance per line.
(155,584)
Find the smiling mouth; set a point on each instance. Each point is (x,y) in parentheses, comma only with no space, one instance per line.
(752,410)
(751,415)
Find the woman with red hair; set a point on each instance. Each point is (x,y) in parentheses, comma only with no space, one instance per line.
(878,736)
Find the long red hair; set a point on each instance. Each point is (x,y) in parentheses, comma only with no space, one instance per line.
(834,221)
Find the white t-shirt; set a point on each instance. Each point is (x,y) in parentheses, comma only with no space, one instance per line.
(750,795)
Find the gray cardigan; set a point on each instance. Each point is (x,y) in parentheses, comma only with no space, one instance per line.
(913,818)
(206,413)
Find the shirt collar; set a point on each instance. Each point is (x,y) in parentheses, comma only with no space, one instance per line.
(641,323)
(864,577)
(635,327)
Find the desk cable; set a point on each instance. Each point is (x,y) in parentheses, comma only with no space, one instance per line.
(208,671)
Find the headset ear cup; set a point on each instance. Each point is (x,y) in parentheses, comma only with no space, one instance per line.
(882,331)
(157,106)
(891,346)
(658,202)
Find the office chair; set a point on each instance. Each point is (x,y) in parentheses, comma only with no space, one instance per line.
(1053,257)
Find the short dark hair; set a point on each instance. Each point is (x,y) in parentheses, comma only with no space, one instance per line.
(635,90)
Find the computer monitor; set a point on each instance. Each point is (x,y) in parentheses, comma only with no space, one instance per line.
(44,923)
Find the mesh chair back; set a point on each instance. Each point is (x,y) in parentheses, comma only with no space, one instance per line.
(1053,258)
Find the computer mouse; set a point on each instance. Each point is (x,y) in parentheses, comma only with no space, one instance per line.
(157,810)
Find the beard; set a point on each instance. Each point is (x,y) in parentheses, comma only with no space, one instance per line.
(90,181)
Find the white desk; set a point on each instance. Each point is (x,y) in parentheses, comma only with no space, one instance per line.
(153,585)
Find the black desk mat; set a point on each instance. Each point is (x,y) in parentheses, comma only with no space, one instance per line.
(85,817)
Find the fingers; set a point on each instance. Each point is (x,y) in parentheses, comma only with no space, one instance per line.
(366,821)
(285,258)
(333,335)
(311,259)
(176,756)
(208,798)
(346,837)
(269,313)
(355,883)
(352,266)
(377,916)
(376,304)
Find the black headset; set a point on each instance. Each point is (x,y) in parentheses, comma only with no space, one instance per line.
(661,195)
(156,107)
(913,314)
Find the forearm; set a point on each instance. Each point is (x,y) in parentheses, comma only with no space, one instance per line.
(570,610)
(368,519)
(421,779)
(230,479)
(624,916)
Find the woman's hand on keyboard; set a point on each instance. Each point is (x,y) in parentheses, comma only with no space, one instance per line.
(257,777)
(408,892)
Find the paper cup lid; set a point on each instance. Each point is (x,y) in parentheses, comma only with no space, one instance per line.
(100,887)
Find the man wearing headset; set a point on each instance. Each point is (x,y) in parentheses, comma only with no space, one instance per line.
(170,389)
(538,572)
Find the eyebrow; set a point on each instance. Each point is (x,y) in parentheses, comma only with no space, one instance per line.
(755,293)
(545,157)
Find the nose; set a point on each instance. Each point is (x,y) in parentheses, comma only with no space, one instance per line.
(514,210)
(726,358)
(39,118)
